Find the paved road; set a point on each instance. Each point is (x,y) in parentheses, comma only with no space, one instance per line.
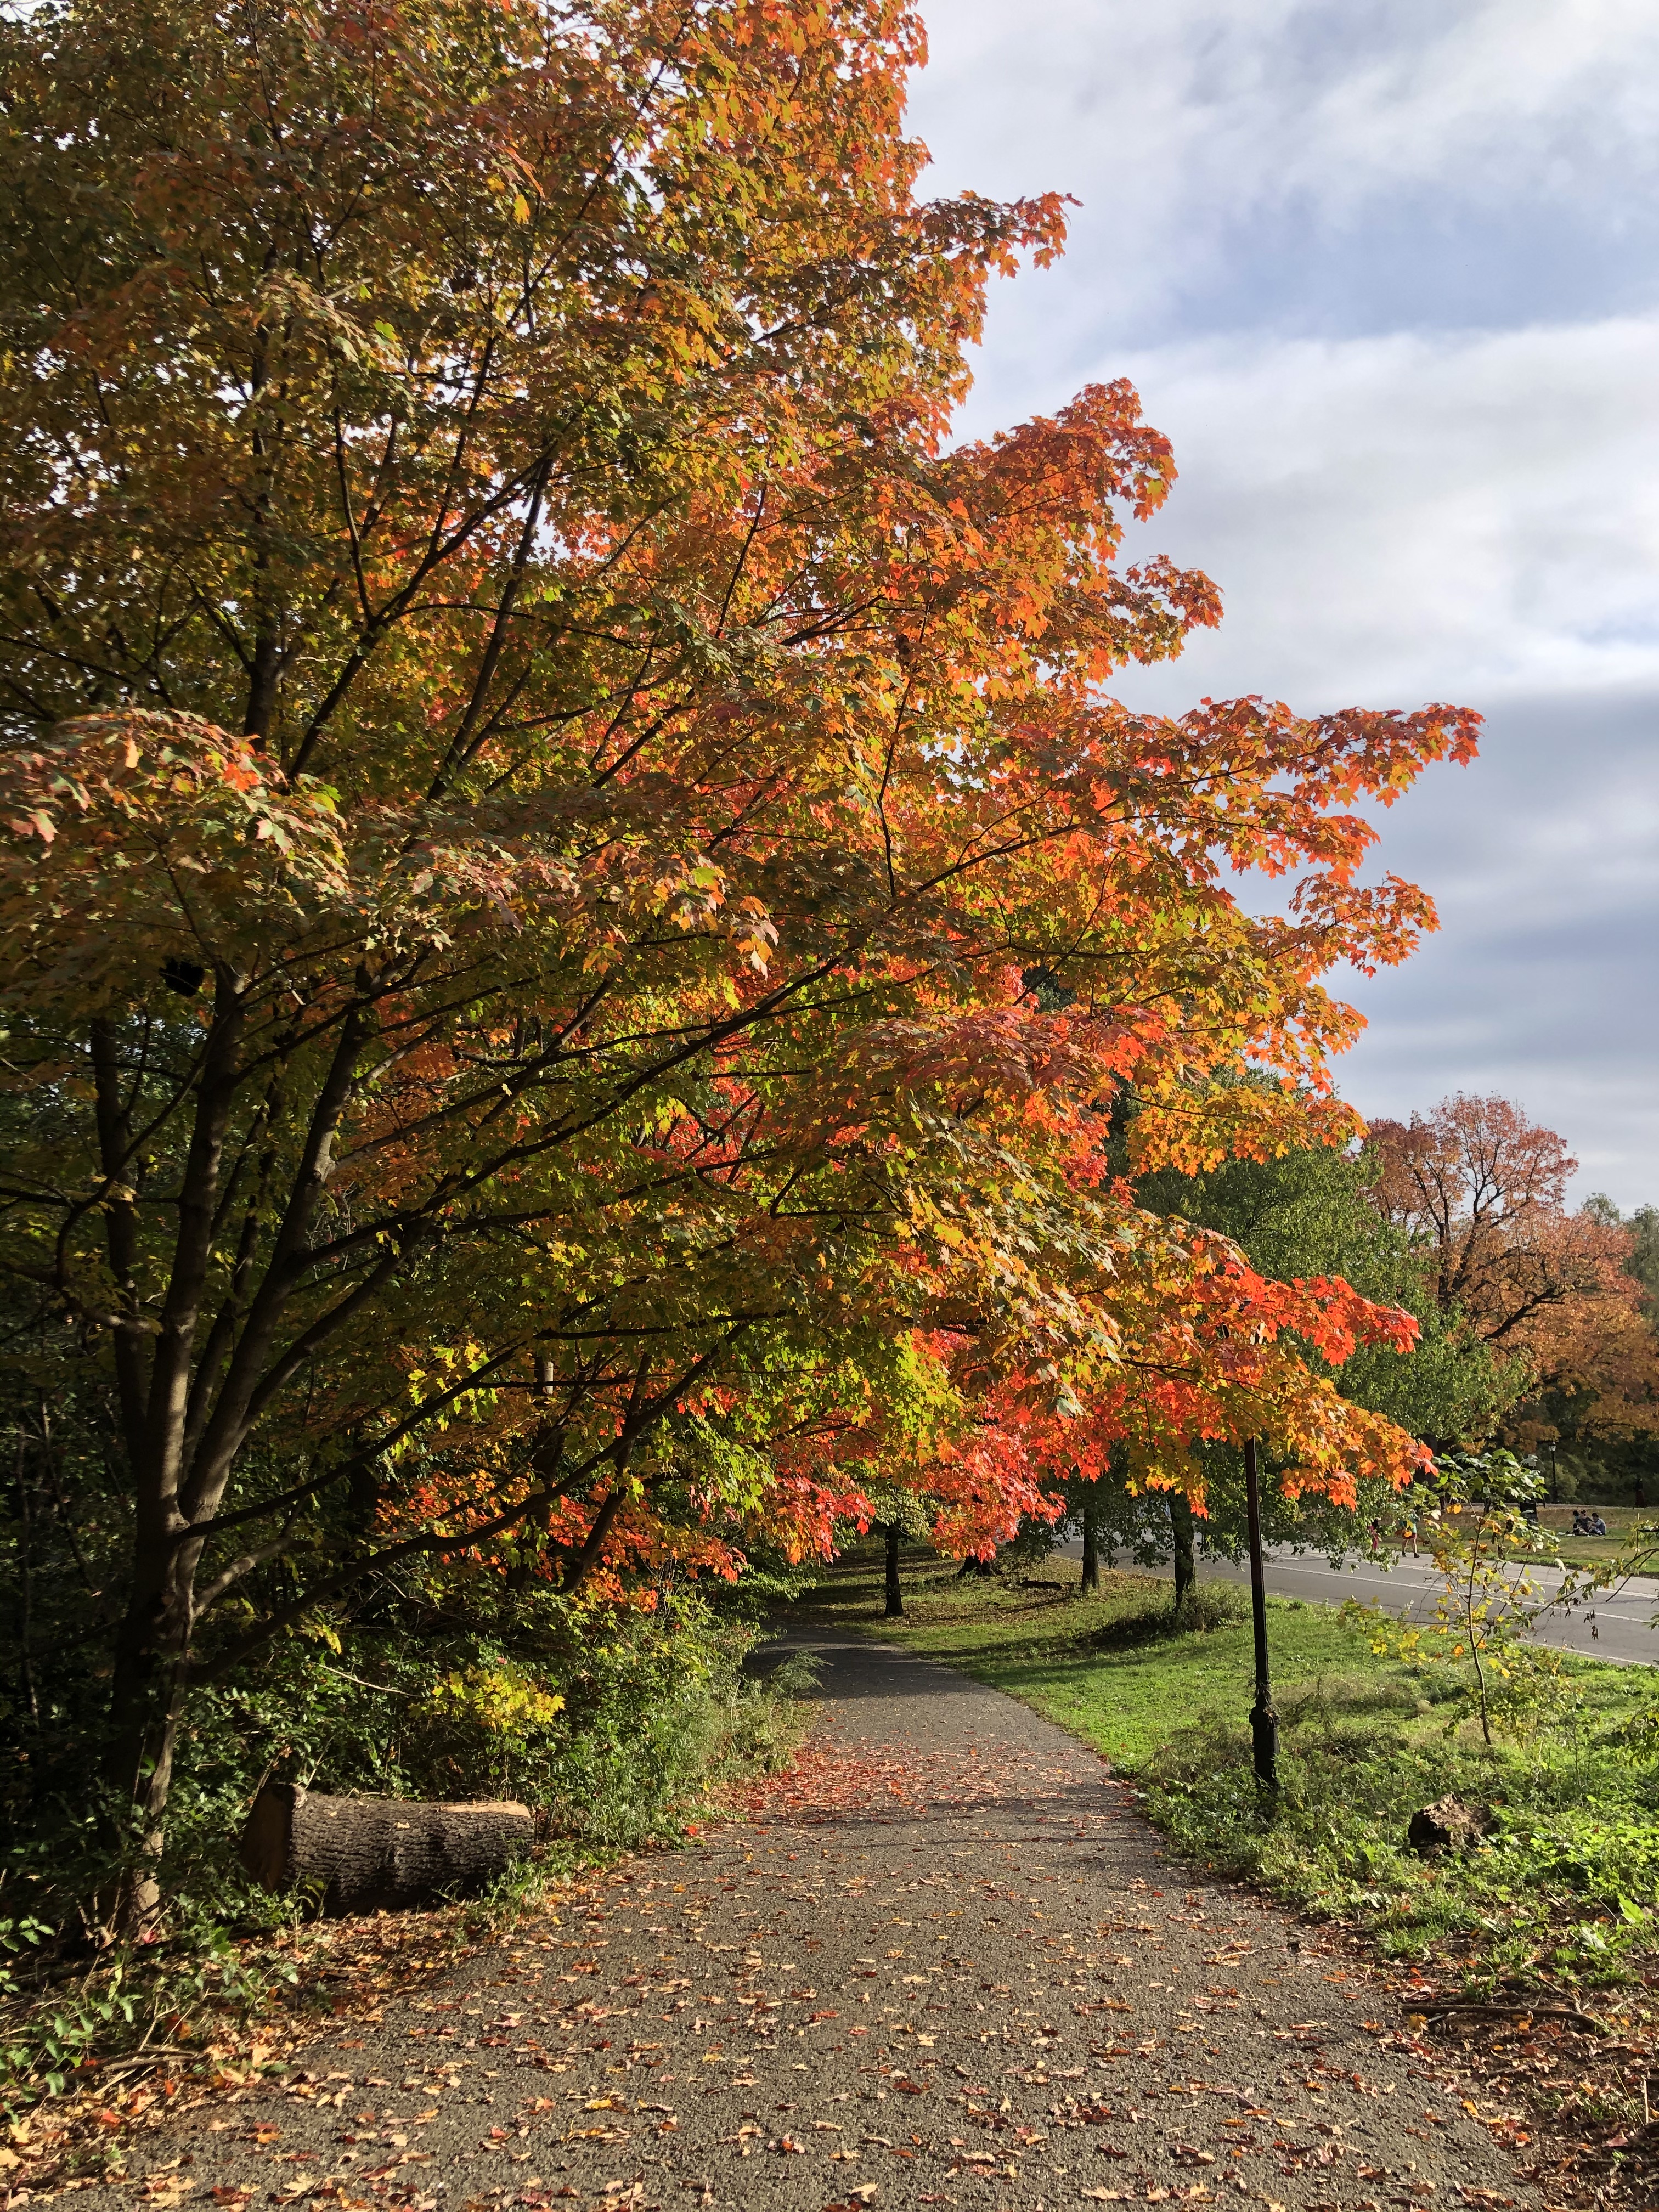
(948,1965)
(1620,1627)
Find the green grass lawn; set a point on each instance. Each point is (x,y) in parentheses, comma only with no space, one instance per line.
(1581,1551)
(1564,1892)
(1043,1642)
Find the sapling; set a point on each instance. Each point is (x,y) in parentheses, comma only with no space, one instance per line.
(1472,1515)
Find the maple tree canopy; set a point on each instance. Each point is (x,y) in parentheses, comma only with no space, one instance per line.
(576,908)
(1482,1190)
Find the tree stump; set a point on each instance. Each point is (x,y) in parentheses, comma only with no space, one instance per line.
(369,1854)
(1449,1824)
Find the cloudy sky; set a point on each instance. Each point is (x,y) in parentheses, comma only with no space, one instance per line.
(1387,271)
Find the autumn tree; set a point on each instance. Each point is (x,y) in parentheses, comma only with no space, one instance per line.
(536,780)
(1594,1403)
(1310,1212)
(1481,1191)
(1644,1226)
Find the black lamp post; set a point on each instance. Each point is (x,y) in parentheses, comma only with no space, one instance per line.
(1264,1721)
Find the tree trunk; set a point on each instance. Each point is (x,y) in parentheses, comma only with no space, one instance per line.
(894,1609)
(1091,1544)
(147,1702)
(1181,1527)
(365,1854)
(181,1456)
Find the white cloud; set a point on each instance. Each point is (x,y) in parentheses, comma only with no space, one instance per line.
(1268,96)
(1472,518)
(1191,131)
(1466,94)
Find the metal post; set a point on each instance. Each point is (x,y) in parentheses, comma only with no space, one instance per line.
(1264,1721)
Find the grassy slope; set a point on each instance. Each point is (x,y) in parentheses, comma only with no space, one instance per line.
(1568,1891)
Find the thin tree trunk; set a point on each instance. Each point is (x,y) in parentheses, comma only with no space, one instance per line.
(1091,1543)
(264,664)
(180,1469)
(593,1543)
(1181,1528)
(894,1609)
(152,1643)
(1472,1629)
(147,1700)
(115,1159)
(533,1537)
(26,1574)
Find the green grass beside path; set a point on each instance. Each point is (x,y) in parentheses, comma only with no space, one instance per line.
(1565,1891)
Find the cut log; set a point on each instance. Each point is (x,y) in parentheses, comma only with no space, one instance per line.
(373,1854)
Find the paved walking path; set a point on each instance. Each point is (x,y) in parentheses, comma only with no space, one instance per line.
(949,1964)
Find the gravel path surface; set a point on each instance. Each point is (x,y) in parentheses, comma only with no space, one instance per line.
(949,1964)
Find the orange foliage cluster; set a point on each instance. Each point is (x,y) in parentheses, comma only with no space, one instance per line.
(1483,1190)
